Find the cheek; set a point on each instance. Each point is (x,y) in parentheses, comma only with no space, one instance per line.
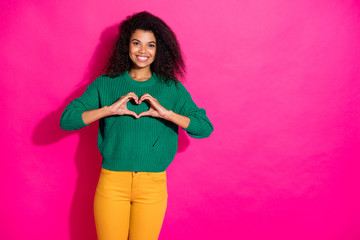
(153,53)
(132,49)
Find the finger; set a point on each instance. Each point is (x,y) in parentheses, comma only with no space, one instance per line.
(146,97)
(136,100)
(132,95)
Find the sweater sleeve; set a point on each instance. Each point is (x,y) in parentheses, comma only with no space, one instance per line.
(71,117)
(200,125)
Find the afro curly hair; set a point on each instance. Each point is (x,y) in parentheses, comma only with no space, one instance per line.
(168,61)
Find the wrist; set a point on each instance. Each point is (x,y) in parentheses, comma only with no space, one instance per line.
(107,111)
(168,115)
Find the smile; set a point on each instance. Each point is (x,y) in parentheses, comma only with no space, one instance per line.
(142,59)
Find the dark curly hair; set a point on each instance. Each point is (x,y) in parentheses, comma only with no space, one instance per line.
(168,62)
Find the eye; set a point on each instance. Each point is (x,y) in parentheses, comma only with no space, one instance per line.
(135,43)
(152,45)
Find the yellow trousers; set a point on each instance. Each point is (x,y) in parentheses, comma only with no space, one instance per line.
(130,205)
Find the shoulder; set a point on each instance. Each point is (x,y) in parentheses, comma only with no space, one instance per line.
(105,80)
(181,89)
(175,87)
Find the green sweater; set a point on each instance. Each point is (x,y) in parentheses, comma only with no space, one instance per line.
(126,143)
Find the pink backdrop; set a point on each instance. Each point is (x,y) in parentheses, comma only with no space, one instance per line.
(278,79)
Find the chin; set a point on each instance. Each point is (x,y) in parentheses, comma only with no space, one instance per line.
(134,65)
(141,65)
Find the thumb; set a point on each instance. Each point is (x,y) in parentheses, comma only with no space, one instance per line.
(132,114)
(147,113)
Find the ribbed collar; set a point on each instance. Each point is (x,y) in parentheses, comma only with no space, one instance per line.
(146,83)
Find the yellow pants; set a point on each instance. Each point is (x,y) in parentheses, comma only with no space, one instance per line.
(130,204)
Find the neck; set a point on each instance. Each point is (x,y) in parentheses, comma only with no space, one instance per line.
(140,73)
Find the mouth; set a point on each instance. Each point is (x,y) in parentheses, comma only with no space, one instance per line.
(142,58)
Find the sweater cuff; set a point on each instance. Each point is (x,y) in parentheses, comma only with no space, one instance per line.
(75,123)
(194,125)
(83,124)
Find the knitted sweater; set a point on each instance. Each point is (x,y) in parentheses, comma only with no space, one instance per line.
(126,143)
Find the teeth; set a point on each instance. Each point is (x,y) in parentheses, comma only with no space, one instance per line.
(142,58)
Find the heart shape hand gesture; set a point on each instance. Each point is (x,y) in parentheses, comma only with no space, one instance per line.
(155,110)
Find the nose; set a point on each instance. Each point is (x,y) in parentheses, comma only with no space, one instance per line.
(142,49)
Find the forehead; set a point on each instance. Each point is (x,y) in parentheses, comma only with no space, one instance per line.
(144,36)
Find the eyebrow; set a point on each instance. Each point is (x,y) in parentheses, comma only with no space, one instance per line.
(140,41)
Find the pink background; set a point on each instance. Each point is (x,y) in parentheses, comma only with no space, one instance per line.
(279,80)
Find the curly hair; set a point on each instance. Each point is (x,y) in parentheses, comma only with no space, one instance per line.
(168,62)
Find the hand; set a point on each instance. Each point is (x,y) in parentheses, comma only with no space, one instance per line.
(119,107)
(155,110)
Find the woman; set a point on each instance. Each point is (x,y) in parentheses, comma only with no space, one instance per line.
(139,103)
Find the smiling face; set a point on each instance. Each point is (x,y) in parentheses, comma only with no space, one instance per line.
(142,48)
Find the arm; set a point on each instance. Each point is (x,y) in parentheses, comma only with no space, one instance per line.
(191,118)
(83,110)
(117,108)
(86,109)
(186,114)
(95,114)
(182,121)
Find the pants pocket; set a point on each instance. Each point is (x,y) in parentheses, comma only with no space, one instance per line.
(105,171)
(158,176)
